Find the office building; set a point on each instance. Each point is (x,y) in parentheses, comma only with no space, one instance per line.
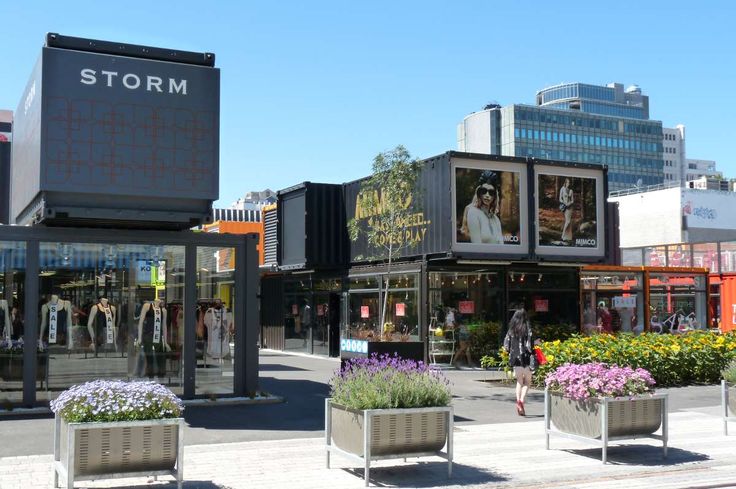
(678,169)
(606,125)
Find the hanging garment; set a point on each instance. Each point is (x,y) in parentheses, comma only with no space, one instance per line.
(217,323)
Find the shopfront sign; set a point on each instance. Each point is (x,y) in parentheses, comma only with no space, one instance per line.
(400,309)
(569,211)
(624,302)
(365,312)
(466,307)
(353,346)
(541,305)
(490,211)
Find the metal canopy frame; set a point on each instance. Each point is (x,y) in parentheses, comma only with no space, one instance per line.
(245,301)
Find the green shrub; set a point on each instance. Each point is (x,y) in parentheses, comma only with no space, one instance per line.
(552,332)
(484,339)
(695,357)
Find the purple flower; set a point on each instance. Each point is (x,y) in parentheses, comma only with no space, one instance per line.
(116,400)
(382,382)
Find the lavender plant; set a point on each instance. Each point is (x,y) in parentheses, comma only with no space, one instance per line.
(116,400)
(729,373)
(384,382)
(593,380)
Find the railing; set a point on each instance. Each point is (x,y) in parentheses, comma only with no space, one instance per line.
(638,190)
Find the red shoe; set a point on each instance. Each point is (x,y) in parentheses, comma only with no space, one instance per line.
(520,408)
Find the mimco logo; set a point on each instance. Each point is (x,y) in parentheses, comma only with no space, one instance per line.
(131,81)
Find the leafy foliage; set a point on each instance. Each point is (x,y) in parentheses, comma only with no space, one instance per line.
(729,373)
(694,357)
(385,382)
(484,339)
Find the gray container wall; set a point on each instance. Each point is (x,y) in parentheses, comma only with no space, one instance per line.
(312,229)
(436,197)
(4,181)
(107,139)
(434,224)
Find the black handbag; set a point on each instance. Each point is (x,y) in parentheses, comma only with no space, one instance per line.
(563,207)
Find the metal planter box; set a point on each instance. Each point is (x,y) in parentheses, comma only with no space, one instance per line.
(728,397)
(375,434)
(109,134)
(90,451)
(600,421)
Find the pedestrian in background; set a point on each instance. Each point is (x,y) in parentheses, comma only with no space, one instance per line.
(518,344)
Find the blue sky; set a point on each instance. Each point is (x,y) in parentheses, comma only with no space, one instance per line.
(314,90)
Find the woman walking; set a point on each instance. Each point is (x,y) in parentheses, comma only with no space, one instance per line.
(518,344)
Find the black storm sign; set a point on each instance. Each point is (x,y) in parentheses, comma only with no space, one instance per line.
(129,126)
(132,81)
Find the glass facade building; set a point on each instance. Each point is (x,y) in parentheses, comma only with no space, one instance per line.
(575,122)
(83,304)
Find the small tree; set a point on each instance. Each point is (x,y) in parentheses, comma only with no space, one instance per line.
(389,197)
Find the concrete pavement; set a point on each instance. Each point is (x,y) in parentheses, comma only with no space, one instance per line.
(490,455)
(282,445)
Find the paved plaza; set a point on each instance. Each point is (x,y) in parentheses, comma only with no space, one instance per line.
(282,445)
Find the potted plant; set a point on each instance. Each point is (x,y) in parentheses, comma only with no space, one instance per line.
(112,428)
(388,407)
(598,403)
(728,385)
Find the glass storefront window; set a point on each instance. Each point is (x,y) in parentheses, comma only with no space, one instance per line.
(12,277)
(678,255)
(705,255)
(728,257)
(365,306)
(632,257)
(677,302)
(110,311)
(364,282)
(655,256)
(215,344)
(613,302)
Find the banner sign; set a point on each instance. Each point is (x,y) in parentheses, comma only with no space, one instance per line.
(466,307)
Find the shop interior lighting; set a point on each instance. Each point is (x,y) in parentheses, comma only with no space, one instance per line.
(539,279)
(522,277)
(512,276)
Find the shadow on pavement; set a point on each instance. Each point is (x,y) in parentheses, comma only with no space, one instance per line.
(168,484)
(303,409)
(277,367)
(428,474)
(643,455)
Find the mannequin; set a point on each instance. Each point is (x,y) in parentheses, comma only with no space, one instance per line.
(56,315)
(6,327)
(152,333)
(219,326)
(102,325)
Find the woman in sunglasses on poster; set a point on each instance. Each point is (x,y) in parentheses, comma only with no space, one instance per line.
(480,219)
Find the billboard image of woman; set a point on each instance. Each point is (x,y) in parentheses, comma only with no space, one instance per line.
(487,207)
(567,211)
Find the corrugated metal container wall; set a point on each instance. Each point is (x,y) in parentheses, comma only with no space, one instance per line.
(326,240)
(432,222)
(270,236)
